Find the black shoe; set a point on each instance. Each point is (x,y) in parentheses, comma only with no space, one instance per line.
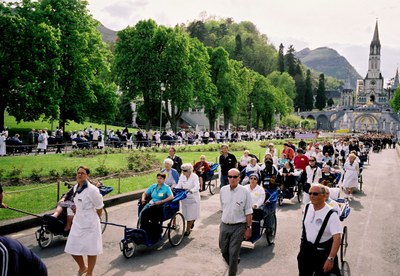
(238,260)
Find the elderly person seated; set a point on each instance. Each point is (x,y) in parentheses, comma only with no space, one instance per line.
(332,203)
(257,194)
(250,169)
(152,211)
(201,168)
(244,160)
(191,204)
(172,175)
(328,175)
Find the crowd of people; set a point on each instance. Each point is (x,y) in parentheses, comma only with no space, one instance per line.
(246,184)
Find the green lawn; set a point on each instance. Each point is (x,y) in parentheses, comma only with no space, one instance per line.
(42,197)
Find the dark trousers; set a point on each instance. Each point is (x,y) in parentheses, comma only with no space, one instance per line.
(151,220)
(311,261)
(230,241)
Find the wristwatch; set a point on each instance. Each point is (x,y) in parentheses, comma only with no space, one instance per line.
(248,226)
(330,259)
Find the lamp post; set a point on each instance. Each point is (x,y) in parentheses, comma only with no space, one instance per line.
(162,89)
(251,115)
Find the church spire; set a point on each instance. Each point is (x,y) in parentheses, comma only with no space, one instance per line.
(376,34)
(375,47)
(396,80)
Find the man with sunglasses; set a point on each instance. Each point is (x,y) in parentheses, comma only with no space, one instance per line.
(236,219)
(321,236)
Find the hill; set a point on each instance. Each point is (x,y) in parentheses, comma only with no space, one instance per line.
(108,34)
(331,63)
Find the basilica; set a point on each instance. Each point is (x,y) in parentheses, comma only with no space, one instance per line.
(367,108)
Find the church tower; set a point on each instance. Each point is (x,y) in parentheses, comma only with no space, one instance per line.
(373,92)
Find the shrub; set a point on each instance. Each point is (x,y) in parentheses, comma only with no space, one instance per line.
(15,174)
(69,172)
(36,174)
(54,174)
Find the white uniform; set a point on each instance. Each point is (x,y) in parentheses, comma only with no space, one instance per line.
(2,145)
(85,235)
(191,204)
(350,178)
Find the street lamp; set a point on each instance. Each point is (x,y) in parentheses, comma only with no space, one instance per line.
(162,89)
(251,115)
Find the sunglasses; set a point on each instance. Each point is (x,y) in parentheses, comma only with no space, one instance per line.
(315,194)
(185,170)
(233,176)
(253,178)
(311,160)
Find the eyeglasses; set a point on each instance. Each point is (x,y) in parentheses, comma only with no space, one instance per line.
(233,176)
(315,194)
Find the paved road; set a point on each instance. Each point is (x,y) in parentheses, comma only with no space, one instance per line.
(374,245)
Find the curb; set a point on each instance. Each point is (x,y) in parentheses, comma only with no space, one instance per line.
(23,223)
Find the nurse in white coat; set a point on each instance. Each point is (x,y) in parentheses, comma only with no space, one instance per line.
(350,178)
(85,235)
(191,204)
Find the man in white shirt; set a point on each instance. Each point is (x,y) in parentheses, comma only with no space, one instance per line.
(236,219)
(320,238)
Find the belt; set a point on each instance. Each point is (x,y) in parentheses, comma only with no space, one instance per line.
(233,224)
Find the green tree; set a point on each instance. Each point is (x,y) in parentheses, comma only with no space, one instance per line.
(136,67)
(29,58)
(83,57)
(291,61)
(395,102)
(281,59)
(330,102)
(237,54)
(291,120)
(308,97)
(320,100)
(224,77)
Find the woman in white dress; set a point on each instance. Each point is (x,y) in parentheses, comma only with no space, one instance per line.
(350,178)
(191,204)
(85,236)
(3,144)
(42,142)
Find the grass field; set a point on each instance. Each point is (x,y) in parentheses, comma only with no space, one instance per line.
(42,197)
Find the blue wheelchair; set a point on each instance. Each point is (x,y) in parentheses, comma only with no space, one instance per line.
(175,227)
(264,219)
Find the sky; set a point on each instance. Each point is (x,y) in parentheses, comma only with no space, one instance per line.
(344,25)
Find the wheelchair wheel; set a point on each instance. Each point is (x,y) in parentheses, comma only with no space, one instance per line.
(300,193)
(44,237)
(270,232)
(343,245)
(104,218)
(176,229)
(212,186)
(280,199)
(128,248)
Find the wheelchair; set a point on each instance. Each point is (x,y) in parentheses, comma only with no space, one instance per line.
(296,190)
(211,181)
(51,226)
(175,227)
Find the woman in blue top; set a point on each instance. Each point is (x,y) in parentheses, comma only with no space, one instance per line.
(151,218)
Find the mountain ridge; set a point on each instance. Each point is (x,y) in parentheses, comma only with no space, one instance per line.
(328,61)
